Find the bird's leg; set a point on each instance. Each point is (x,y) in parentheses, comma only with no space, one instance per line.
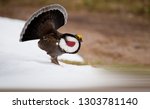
(54,60)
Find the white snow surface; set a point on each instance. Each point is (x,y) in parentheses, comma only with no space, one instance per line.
(24,66)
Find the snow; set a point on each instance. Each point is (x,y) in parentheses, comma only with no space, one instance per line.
(24,66)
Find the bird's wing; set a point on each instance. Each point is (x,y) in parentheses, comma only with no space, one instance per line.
(44,21)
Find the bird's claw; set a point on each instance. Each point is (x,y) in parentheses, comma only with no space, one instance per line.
(55,61)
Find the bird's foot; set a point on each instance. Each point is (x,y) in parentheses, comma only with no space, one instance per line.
(55,61)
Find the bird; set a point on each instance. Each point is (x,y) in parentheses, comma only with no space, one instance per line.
(44,24)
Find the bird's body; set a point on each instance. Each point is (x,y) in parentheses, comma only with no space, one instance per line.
(43,25)
(49,44)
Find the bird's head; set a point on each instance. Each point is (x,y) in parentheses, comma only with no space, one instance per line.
(79,37)
(70,43)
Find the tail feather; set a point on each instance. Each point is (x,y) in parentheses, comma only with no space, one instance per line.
(44,21)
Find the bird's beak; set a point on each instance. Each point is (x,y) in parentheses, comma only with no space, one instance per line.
(79,37)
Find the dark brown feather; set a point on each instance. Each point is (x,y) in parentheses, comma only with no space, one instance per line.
(45,21)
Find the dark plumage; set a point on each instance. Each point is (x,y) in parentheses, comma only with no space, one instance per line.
(43,25)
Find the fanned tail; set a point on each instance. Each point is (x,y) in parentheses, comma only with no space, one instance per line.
(44,21)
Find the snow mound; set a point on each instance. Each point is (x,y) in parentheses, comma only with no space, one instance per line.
(24,66)
(71,57)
